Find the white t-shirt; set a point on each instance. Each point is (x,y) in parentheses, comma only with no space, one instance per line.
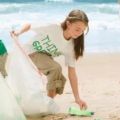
(49,39)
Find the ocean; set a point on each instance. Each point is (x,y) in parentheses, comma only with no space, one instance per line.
(104,35)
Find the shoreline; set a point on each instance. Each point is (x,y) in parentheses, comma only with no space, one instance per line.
(97,41)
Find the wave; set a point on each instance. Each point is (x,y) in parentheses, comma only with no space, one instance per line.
(93,24)
(64,1)
(86,1)
(104,24)
(19,1)
(89,8)
(101,16)
(97,1)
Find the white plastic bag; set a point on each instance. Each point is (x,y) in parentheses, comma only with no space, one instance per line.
(26,83)
(9,108)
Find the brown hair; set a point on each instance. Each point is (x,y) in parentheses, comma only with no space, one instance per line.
(74,16)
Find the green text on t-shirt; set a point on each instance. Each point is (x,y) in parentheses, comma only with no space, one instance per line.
(46,42)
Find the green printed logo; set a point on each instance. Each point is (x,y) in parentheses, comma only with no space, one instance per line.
(46,43)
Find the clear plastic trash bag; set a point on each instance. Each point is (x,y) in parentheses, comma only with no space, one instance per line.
(9,108)
(27,84)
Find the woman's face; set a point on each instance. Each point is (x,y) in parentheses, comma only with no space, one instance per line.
(76,29)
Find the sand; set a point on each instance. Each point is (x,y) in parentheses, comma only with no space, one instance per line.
(99,77)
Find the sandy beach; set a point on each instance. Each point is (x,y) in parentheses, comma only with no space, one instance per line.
(99,77)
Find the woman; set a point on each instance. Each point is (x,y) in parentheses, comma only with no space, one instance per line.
(52,41)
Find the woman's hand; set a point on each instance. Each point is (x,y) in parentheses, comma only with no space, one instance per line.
(81,104)
(24,29)
(16,33)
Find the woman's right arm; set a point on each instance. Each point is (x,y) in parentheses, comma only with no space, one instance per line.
(24,29)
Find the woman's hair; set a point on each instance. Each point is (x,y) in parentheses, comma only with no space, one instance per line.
(74,16)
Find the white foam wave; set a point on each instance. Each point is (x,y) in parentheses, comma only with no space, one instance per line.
(65,1)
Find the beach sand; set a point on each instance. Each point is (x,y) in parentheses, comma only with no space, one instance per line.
(98,81)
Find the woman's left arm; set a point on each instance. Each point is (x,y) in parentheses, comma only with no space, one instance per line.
(74,85)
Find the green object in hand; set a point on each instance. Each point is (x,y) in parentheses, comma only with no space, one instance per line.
(77,111)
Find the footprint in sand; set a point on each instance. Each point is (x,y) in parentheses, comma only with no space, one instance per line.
(109,93)
(112,116)
(60,116)
(68,92)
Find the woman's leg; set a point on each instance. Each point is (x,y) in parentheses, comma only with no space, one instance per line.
(53,71)
(51,93)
